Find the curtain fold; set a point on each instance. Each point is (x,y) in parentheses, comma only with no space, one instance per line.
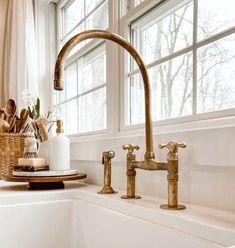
(20,53)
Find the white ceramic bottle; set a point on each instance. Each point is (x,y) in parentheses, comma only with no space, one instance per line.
(59,149)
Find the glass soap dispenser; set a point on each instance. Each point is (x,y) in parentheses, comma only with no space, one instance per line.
(60,149)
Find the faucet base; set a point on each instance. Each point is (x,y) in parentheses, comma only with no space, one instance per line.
(167,207)
(130,197)
(107,190)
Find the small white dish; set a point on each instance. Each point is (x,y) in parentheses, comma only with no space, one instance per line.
(48,173)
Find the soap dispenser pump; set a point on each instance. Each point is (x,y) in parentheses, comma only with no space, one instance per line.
(60,149)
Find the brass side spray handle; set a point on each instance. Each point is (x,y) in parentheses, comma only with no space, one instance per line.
(106,161)
(107,156)
(173,149)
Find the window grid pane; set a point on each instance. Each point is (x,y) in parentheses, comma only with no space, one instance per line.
(216,74)
(99,19)
(214,16)
(172,81)
(83,102)
(92,111)
(137,2)
(71,120)
(77,19)
(71,86)
(171,90)
(91,74)
(160,37)
(74,13)
(91,4)
(85,78)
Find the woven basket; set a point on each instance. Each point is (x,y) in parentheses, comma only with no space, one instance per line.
(11,148)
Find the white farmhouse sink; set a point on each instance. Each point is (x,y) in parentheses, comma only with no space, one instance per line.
(78,217)
(37,225)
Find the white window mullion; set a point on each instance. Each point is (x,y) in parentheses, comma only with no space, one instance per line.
(195,26)
(77,64)
(112,72)
(85,14)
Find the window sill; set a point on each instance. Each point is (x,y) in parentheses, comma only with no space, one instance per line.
(208,121)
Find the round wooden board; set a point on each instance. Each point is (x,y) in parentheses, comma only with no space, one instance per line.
(45,179)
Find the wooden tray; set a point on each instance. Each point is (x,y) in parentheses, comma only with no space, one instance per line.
(40,183)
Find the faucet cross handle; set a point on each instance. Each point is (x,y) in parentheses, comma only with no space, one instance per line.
(173,149)
(131,148)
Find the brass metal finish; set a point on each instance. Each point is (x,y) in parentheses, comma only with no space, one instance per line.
(126,197)
(39,183)
(103,34)
(173,149)
(106,161)
(59,126)
(149,163)
(130,172)
(167,207)
(171,166)
(131,148)
(172,176)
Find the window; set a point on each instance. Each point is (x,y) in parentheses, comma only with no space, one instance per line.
(83,102)
(85,93)
(187,46)
(190,55)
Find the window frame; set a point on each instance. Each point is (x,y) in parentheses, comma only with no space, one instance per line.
(131,16)
(117,61)
(88,47)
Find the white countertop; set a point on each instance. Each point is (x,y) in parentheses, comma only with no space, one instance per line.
(210,224)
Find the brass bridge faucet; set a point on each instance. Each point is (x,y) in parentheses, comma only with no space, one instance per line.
(149,162)
(172,172)
(106,161)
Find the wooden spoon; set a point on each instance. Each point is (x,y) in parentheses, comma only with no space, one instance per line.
(10,110)
(13,123)
(23,121)
(4,125)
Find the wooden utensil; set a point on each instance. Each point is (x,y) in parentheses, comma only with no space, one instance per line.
(4,125)
(23,121)
(42,127)
(13,123)
(10,110)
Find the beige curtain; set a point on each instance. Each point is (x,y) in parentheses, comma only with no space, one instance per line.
(3,13)
(20,53)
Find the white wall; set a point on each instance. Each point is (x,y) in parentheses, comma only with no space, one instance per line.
(3,13)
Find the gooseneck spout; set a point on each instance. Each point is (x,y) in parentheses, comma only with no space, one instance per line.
(102,34)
